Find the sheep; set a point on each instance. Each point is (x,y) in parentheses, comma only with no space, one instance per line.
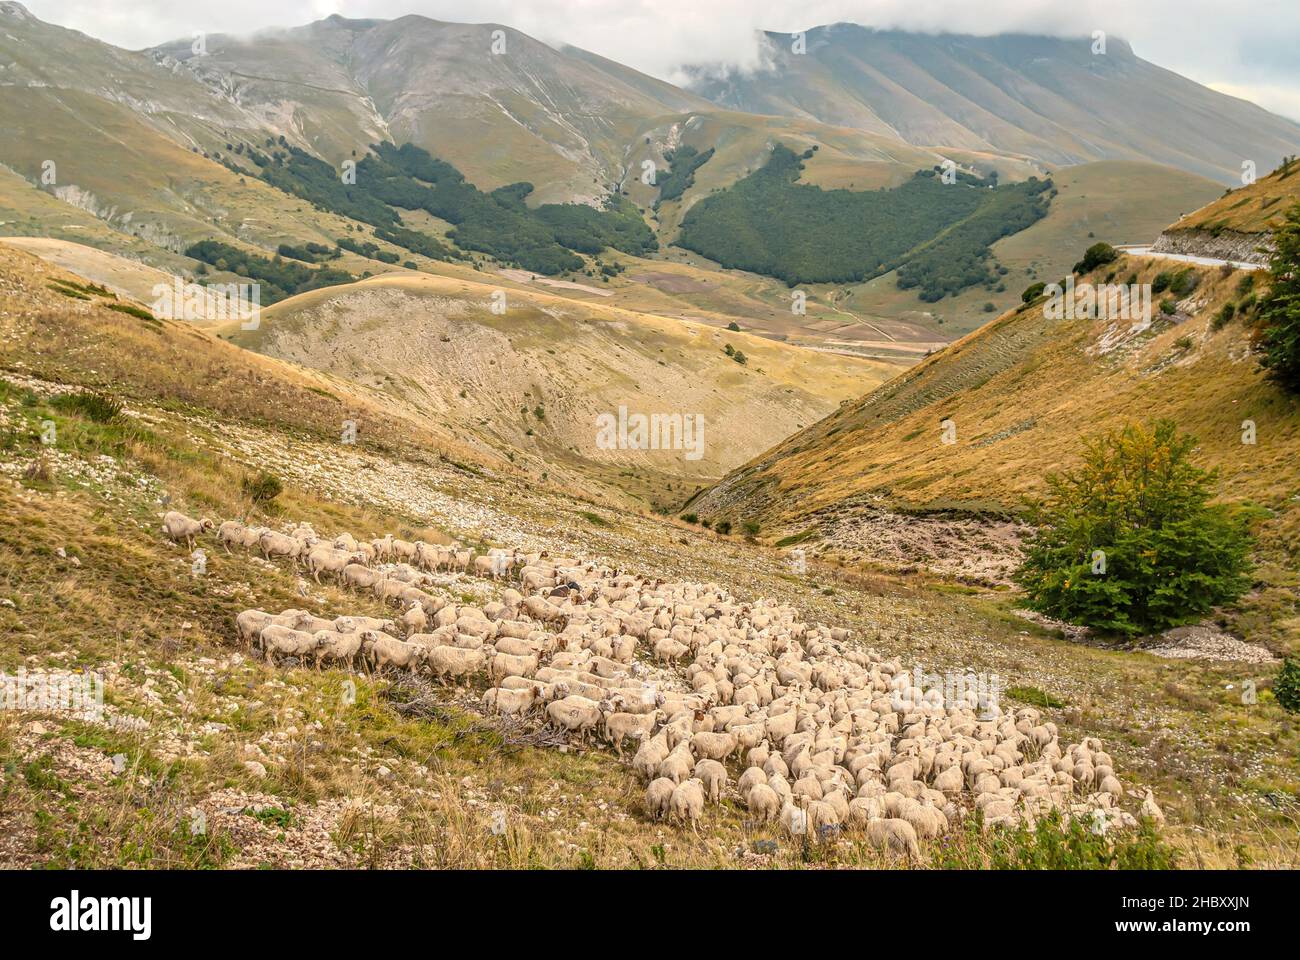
(687,802)
(414,620)
(274,544)
(385,651)
(332,645)
(347,624)
(652,752)
(750,778)
(512,702)
(249,625)
(574,714)
(178,527)
(359,577)
(714,746)
(763,802)
(658,798)
(894,834)
(507,665)
(678,765)
(455,661)
(285,641)
(623,726)
(231,531)
(714,777)
(330,560)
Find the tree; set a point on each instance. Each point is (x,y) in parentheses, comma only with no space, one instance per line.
(1095,256)
(1277,334)
(1129,543)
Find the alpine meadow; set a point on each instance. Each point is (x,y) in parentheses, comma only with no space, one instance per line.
(782,439)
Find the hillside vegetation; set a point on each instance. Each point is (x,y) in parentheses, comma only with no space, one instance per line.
(770,223)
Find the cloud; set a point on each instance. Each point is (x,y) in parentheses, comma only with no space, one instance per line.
(1214,43)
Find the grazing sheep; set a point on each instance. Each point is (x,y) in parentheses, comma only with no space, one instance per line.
(341,647)
(455,662)
(658,798)
(275,544)
(896,835)
(249,625)
(713,776)
(624,726)
(513,703)
(414,620)
(385,651)
(508,665)
(574,714)
(687,802)
(178,527)
(763,802)
(286,642)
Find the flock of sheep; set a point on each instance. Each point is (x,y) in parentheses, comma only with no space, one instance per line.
(823,736)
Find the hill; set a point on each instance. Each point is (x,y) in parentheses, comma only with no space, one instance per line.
(1019,392)
(529,382)
(1238,224)
(1045,98)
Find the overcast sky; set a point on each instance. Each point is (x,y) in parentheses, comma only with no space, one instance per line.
(1250,50)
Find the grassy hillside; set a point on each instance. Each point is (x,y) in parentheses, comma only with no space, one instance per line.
(415,776)
(530,381)
(1021,391)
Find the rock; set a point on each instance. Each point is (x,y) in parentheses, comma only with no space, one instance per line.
(255,768)
(119,763)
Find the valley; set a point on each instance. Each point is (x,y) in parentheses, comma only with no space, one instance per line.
(452,448)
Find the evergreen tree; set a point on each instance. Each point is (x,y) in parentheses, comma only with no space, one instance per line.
(1278,331)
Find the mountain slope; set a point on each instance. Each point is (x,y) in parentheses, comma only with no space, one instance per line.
(530,382)
(1237,226)
(1047,98)
(528,112)
(1019,393)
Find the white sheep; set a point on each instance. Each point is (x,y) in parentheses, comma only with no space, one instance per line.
(178,527)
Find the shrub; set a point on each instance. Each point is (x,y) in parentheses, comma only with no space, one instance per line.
(1167,555)
(1033,291)
(740,358)
(1052,843)
(1224,316)
(691,517)
(751,528)
(1278,325)
(262,488)
(92,406)
(1095,256)
(1286,686)
(1168,307)
(733,326)
(723,527)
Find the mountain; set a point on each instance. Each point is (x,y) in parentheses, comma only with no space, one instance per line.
(526,112)
(1046,98)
